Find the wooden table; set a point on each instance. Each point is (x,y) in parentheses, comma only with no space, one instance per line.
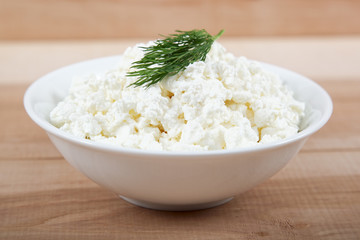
(316,196)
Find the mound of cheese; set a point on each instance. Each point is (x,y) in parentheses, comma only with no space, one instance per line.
(225,102)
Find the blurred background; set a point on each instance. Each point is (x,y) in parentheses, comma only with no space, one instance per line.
(113,19)
(318,38)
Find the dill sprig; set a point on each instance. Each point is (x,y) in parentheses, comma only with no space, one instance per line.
(171,55)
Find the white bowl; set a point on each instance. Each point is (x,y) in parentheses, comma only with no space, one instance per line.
(172,180)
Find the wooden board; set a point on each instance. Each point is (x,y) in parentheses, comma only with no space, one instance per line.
(53,19)
(316,196)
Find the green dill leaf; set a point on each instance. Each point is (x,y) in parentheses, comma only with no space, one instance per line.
(171,55)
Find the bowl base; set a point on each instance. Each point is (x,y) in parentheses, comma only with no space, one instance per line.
(179,207)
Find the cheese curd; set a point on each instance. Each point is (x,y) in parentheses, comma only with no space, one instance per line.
(225,102)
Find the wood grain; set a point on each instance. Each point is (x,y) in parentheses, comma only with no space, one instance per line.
(52,200)
(23,139)
(316,196)
(52,19)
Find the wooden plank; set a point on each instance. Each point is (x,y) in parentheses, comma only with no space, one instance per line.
(315,197)
(320,58)
(22,139)
(342,131)
(52,19)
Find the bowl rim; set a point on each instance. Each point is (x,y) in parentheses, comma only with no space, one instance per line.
(50,129)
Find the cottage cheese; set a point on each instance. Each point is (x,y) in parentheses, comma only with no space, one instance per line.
(225,102)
